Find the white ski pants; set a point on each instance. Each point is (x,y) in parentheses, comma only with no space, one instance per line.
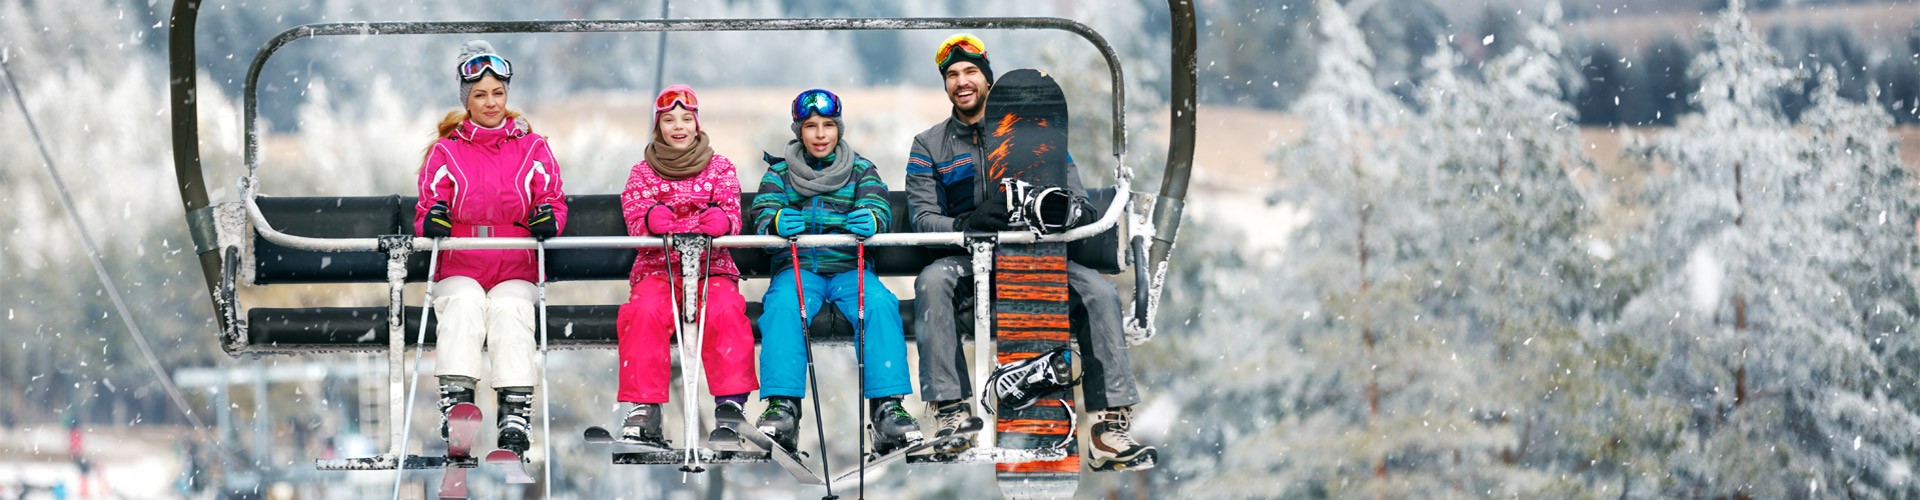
(501,319)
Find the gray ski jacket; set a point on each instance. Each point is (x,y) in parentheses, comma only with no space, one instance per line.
(942,185)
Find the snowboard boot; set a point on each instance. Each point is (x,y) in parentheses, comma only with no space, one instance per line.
(453,391)
(781,421)
(643,425)
(1020,384)
(951,417)
(513,420)
(1113,444)
(893,428)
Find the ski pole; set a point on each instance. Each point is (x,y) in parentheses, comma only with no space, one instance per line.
(860,349)
(433,266)
(546,408)
(676,293)
(819,425)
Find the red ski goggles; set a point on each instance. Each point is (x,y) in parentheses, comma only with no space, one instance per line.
(676,97)
(481,64)
(816,101)
(962,43)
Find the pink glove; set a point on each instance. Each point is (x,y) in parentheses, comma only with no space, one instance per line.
(714,222)
(659,219)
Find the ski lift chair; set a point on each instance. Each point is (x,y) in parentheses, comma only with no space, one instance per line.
(267,241)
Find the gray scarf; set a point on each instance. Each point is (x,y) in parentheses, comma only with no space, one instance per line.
(828,178)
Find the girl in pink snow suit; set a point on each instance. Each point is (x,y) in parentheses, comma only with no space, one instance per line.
(681,187)
(488,175)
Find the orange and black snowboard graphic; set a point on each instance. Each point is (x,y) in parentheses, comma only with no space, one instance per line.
(1026,125)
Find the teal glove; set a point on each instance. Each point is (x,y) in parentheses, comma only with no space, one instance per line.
(789,222)
(860,222)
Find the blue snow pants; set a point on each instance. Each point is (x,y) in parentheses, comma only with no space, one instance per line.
(783,356)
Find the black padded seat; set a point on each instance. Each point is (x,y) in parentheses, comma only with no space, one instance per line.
(365,328)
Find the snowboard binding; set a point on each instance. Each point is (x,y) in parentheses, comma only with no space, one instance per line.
(1018,385)
(1044,209)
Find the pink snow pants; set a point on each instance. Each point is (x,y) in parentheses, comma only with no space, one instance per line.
(646,324)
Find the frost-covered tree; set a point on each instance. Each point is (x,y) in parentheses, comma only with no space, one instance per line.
(1513,271)
(1763,341)
(1356,368)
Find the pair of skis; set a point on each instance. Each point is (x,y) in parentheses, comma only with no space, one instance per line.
(463,428)
(463,420)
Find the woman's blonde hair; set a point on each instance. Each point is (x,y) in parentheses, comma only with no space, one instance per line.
(450,123)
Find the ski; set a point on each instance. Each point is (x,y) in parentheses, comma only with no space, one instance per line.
(728,419)
(512,465)
(973,425)
(600,435)
(787,459)
(463,425)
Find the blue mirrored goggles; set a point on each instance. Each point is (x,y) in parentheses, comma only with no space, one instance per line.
(816,102)
(481,64)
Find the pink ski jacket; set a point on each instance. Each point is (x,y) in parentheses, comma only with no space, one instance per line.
(717,186)
(490,180)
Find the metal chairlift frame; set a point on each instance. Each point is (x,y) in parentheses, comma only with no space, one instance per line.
(219,244)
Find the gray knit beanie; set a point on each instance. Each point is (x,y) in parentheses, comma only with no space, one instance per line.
(467,51)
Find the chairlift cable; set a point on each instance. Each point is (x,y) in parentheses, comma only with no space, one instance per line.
(100,269)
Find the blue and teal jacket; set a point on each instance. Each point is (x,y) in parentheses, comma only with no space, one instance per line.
(826,213)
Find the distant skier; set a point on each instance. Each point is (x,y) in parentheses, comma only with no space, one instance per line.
(681,187)
(823,187)
(488,174)
(944,195)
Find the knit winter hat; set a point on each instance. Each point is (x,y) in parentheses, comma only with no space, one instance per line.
(963,47)
(467,51)
(677,96)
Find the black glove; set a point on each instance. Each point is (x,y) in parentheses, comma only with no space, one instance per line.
(542,223)
(1083,212)
(991,215)
(438,224)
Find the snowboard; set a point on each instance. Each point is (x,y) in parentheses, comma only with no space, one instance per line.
(1026,127)
(463,425)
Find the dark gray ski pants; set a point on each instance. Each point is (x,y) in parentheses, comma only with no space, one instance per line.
(1107,374)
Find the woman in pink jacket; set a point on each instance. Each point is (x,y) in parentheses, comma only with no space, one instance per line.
(681,187)
(488,175)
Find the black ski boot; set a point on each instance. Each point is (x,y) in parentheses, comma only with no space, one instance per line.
(1113,444)
(781,421)
(513,419)
(1018,385)
(951,417)
(643,425)
(452,392)
(893,428)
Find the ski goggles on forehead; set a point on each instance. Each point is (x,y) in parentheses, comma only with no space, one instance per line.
(964,44)
(816,101)
(671,98)
(479,65)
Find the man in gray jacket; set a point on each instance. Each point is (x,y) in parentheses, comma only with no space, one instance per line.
(944,193)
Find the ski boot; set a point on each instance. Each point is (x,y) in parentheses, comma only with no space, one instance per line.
(893,428)
(781,421)
(1020,384)
(642,425)
(1113,444)
(951,417)
(516,411)
(452,392)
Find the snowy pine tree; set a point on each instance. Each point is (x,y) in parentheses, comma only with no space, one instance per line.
(1762,340)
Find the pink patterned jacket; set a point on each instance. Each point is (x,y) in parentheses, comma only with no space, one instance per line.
(718,187)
